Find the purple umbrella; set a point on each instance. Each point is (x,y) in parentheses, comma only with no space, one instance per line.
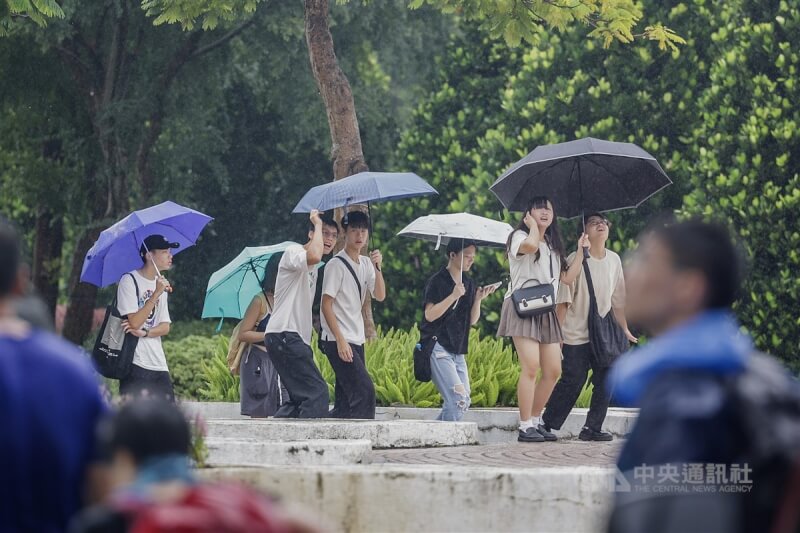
(117,249)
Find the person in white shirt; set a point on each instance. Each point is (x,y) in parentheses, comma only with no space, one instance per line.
(348,277)
(288,333)
(608,281)
(536,257)
(142,295)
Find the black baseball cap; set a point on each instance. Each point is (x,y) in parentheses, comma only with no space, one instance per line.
(156,242)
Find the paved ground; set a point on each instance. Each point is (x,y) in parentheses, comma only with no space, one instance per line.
(516,454)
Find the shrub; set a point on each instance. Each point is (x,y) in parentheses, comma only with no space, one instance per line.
(185,358)
(219,384)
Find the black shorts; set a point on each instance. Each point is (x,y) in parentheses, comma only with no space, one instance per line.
(152,383)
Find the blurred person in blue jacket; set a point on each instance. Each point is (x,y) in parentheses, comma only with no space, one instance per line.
(715,445)
(50,403)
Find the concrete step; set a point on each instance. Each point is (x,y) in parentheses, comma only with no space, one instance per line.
(495,425)
(255,452)
(382,433)
(438,498)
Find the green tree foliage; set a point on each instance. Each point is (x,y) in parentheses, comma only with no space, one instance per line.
(719,116)
(527,20)
(38,11)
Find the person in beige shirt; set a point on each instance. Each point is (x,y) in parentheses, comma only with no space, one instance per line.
(573,313)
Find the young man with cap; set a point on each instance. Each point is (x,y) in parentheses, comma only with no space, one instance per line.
(142,296)
(288,333)
(348,277)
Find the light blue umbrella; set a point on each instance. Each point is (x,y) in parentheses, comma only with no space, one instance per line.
(364,188)
(231,288)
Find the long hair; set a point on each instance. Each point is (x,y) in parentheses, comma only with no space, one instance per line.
(271,274)
(552,234)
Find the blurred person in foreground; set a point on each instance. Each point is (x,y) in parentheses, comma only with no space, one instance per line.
(151,485)
(46,442)
(715,447)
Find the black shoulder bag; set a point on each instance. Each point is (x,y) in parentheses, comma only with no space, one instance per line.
(424,348)
(113,349)
(606,338)
(537,299)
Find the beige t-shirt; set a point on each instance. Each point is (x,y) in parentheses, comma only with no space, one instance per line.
(527,271)
(609,287)
(339,284)
(294,294)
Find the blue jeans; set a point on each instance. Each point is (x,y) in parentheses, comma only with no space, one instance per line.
(449,374)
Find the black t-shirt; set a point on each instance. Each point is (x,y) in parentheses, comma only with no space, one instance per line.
(454,324)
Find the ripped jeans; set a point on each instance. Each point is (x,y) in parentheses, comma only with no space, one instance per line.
(449,374)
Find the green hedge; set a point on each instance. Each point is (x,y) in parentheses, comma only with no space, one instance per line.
(493,368)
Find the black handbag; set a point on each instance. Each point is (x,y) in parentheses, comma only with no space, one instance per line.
(535,300)
(114,349)
(606,338)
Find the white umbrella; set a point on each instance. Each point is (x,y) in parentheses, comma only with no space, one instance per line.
(441,229)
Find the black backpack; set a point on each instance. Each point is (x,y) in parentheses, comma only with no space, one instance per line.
(113,349)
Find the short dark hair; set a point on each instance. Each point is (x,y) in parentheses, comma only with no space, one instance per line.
(709,248)
(146,428)
(327,220)
(455,246)
(10,252)
(356,220)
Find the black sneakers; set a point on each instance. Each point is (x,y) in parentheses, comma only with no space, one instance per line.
(590,434)
(545,432)
(530,435)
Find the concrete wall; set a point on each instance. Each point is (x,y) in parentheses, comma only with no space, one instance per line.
(437,498)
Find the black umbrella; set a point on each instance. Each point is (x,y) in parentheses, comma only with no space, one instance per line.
(582,176)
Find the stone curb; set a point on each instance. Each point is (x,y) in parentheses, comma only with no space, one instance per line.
(255,452)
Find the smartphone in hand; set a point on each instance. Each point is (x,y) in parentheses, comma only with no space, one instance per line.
(493,285)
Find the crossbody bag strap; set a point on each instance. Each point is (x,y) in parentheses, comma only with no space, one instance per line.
(353,272)
(592,295)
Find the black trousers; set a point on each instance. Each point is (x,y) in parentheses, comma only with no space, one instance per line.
(574,371)
(153,383)
(294,361)
(353,383)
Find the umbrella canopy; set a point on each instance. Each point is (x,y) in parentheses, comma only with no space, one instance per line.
(363,188)
(443,228)
(232,287)
(582,176)
(116,251)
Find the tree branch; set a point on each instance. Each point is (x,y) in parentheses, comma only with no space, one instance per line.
(224,39)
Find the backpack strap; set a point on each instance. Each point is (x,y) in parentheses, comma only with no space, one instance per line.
(353,272)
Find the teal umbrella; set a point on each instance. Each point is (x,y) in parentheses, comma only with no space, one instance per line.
(231,288)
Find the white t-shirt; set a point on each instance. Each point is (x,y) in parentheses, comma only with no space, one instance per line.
(609,288)
(149,352)
(294,294)
(526,271)
(340,285)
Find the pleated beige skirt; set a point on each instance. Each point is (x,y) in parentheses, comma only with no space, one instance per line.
(545,329)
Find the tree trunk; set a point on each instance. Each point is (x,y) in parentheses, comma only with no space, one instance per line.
(48,242)
(82,296)
(346,151)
